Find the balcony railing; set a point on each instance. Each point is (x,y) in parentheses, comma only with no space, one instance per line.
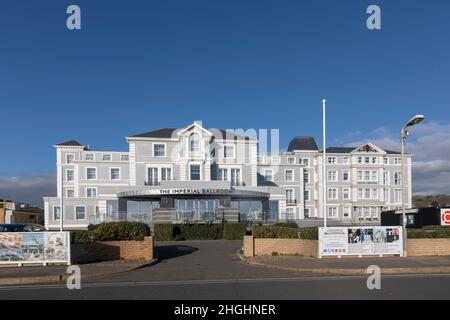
(291,202)
(195,216)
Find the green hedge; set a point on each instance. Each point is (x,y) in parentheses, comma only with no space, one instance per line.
(311,233)
(112,231)
(429,232)
(234,231)
(163,232)
(286,224)
(275,232)
(208,231)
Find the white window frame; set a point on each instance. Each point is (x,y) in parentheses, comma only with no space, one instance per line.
(161,174)
(345,160)
(154,149)
(292,198)
(335,194)
(125,155)
(292,176)
(290,160)
(307,195)
(305,161)
(333,175)
(75,212)
(67,192)
(271,175)
(67,175)
(106,154)
(89,154)
(91,188)
(70,154)
(306,173)
(201,171)
(54,215)
(224,176)
(334,210)
(87,176)
(343,175)
(348,194)
(111,176)
(331,160)
(349,212)
(226,147)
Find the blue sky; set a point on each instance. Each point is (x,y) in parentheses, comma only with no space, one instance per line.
(142,65)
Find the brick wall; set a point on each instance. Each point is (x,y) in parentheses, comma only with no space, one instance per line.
(428,247)
(112,250)
(267,246)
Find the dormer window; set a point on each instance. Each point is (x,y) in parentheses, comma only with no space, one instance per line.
(194,143)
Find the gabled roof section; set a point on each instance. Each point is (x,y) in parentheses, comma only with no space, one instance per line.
(302,143)
(165,133)
(368,148)
(70,143)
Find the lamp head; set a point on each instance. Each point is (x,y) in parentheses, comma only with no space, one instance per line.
(415,120)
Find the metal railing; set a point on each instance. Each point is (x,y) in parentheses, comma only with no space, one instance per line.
(196,216)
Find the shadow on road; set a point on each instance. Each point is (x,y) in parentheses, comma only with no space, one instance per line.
(173,251)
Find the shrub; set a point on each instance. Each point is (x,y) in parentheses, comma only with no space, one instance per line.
(163,232)
(234,231)
(275,232)
(208,231)
(82,236)
(309,233)
(112,231)
(291,224)
(92,227)
(426,233)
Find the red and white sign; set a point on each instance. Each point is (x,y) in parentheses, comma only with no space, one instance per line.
(445,217)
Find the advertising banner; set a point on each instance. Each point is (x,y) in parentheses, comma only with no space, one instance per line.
(445,217)
(345,241)
(34,247)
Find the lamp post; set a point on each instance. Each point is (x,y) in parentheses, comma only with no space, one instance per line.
(404,133)
(324,175)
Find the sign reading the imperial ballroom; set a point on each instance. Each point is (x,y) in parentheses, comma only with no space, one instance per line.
(196,191)
(445,217)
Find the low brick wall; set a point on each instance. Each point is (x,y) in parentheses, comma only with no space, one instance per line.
(112,250)
(428,247)
(268,246)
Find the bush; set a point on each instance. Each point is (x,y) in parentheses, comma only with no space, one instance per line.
(92,227)
(112,231)
(427,233)
(310,233)
(82,236)
(208,231)
(275,232)
(234,231)
(163,232)
(286,224)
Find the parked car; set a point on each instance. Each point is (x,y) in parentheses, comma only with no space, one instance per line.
(21,227)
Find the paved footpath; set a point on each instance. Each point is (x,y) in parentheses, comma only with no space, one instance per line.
(354,266)
(58,273)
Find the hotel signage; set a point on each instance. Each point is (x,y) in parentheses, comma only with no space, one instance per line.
(196,191)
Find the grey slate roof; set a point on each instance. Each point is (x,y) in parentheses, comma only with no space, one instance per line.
(70,143)
(350,149)
(167,133)
(303,143)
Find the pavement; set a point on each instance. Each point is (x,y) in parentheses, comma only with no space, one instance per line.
(354,266)
(58,273)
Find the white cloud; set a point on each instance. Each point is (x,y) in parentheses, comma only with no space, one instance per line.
(429,142)
(28,188)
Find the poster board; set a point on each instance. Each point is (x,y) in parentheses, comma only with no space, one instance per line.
(359,241)
(34,247)
(445,217)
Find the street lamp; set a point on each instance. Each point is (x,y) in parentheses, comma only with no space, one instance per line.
(404,133)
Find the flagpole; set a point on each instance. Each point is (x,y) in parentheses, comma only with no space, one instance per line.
(324,175)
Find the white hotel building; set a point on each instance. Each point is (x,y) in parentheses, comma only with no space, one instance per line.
(198,174)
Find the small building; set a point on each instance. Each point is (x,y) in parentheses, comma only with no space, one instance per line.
(415,217)
(17,212)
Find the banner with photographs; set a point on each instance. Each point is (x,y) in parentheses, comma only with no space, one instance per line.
(34,247)
(345,241)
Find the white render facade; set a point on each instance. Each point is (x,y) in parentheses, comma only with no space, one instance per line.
(192,173)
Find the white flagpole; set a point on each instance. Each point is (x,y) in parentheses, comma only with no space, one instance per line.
(324,166)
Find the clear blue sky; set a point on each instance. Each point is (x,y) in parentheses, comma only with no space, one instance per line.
(142,65)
